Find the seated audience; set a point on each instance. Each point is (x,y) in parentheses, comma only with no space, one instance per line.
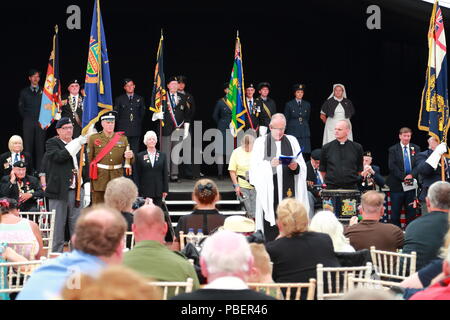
(239,224)
(113,283)
(120,194)
(205,215)
(13,228)
(425,235)
(370,231)
(440,290)
(226,261)
(297,251)
(15,153)
(150,257)
(98,242)
(326,222)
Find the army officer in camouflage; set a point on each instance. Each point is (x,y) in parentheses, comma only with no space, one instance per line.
(107,152)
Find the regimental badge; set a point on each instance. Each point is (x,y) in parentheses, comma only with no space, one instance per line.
(289,193)
(6,165)
(146,157)
(98,142)
(348,207)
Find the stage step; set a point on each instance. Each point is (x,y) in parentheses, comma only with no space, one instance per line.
(226,213)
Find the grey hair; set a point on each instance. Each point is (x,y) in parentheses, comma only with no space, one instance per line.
(148,134)
(226,252)
(439,195)
(278,116)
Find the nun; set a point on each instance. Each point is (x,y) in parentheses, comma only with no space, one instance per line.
(337,107)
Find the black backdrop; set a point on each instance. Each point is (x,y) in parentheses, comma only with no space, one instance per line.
(284,42)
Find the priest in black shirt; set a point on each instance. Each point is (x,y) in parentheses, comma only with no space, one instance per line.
(341,160)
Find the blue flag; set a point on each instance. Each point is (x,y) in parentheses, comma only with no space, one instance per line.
(434,110)
(98,80)
(51,95)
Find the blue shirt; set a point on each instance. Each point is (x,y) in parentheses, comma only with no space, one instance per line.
(47,281)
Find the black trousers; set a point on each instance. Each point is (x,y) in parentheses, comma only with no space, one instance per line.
(34,140)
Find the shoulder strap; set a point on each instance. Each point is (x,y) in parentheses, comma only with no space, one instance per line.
(267,110)
(93,170)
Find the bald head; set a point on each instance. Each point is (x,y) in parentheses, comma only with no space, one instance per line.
(149,223)
(341,130)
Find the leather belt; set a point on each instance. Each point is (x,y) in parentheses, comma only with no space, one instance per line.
(109,167)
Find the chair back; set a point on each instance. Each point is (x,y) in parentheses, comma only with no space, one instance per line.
(27,249)
(183,239)
(332,281)
(395,266)
(353,259)
(14,275)
(354,283)
(46,223)
(172,288)
(129,240)
(284,291)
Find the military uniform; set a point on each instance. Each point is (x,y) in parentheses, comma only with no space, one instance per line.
(73,109)
(255,112)
(109,167)
(129,119)
(28,184)
(222,116)
(297,115)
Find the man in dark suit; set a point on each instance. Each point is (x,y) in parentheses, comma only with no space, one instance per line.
(191,170)
(62,155)
(130,109)
(314,181)
(72,107)
(429,168)
(267,106)
(226,261)
(297,112)
(402,169)
(370,177)
(151,169)
(176,117)
(426,234)
(29,109)
(251,121)
(21,187)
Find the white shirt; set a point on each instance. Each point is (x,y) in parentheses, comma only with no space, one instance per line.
(152,157)
(175,99)
(76,100)
(227,283)
(13,157)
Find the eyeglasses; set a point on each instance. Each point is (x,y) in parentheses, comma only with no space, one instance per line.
(279,129)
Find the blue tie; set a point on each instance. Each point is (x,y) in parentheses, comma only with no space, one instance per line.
(406,160)
(250,105)
(16,158)
(318,180)
(172,100)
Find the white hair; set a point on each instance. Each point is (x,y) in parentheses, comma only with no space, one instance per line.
(226,252)
(277,116)
(439,195)
(149,134)
(326,222)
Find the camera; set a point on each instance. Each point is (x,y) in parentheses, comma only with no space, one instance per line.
(139,202)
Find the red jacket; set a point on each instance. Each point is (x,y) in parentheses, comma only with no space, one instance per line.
(438,291)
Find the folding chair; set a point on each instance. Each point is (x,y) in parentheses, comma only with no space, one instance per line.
(174,286)
(393,265)
(283,291)
(46,223)
(14,275)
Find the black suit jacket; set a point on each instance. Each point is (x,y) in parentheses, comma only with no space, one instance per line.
(5,165)
(222,294)
(59,169)
(428,175)
(77,117)
(152,181)
(130,114)
(182,113)
(264,117)
(397,168)
(30,185)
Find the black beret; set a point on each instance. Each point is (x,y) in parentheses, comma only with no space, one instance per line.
(181,79)
(19,164)
(172,79)
(263,84)
(63,121)
(298,86)
(126,80)
(32,72)
(74,81)
(109,116)
(367,154)
(315,154)
(250,85)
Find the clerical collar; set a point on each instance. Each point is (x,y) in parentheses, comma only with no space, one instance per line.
(341,142)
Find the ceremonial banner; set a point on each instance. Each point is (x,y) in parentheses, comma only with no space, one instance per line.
(159,96)
(51,95)
(434,110)
(98,81)
(234,96)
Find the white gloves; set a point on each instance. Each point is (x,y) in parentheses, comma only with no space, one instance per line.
(262,130)
(434,158)
(58,116)
(158,116)
(82,139)
(74,146)
(91,131)
(186,131)
(87,194)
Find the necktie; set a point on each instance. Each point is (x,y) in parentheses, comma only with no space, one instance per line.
(16,158)
(172,96)
(131,98)
(318,180)
(406,160)
(299,103)
(34,90)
